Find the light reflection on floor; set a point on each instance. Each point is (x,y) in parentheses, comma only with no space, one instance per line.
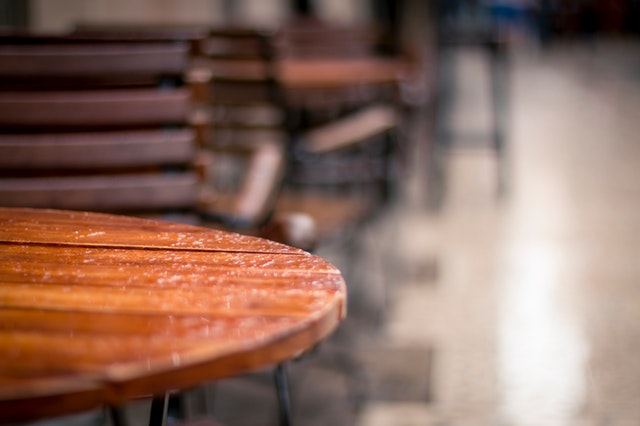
(542,351)
(535,313)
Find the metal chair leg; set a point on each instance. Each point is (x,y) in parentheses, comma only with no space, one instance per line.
(441,131)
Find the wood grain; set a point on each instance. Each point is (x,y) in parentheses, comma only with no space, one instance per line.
(99,309)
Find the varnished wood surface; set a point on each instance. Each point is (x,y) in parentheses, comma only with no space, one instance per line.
(98,309)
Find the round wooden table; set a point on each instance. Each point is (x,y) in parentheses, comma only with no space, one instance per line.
(99,309)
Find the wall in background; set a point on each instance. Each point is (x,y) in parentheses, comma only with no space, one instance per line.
(62,15)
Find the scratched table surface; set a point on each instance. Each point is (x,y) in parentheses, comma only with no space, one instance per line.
(98,309)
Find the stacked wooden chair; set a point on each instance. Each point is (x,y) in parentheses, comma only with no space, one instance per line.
(238,85)
(235,90)
(331,142)
(241,179)
(343,138)
(108,122)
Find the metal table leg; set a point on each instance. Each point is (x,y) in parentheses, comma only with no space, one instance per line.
(158,415)
(282,387)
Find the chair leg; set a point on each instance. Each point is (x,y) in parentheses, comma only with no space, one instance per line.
(499,87)
(282,388)
(441,134)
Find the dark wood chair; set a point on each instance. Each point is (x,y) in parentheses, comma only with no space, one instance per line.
(344,138)
(108,123)
(95,126)
(250,119)
(238,104)
(241,180)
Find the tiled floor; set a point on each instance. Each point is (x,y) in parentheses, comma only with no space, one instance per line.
(513,312)
(534,316)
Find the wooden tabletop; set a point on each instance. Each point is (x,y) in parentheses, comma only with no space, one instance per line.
(98,309)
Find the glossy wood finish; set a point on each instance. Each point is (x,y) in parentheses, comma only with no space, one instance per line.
(98,309)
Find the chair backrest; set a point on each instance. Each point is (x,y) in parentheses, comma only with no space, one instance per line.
(242,177)
(240,86)
(235,84)
(234,88)
(314,47)
(310,38)
(95,125)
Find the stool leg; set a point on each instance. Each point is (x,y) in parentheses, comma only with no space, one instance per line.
(158,415)
(439,145)
(284,402)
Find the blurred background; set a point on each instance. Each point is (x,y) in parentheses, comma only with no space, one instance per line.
(499,284)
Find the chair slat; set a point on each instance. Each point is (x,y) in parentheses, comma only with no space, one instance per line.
(114,108)
(96,125)
(144,192)
(99,150)
(91,59)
